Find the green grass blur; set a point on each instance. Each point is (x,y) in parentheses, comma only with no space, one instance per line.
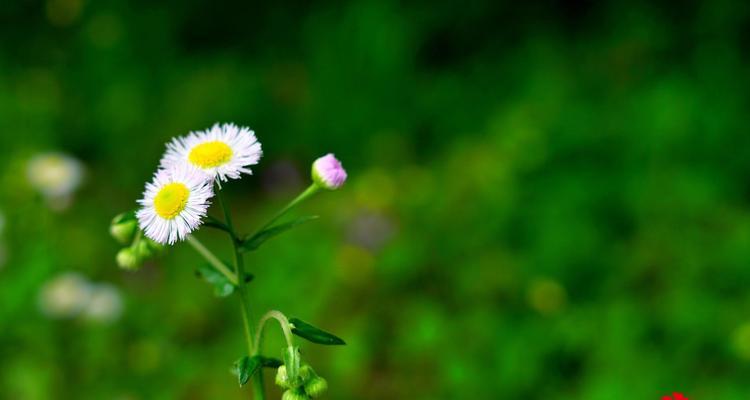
(547,200)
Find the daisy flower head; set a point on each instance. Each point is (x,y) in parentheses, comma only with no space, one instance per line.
(328,172)
(174,204)
(221,152)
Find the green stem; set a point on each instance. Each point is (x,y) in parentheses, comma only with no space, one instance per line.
(311,190)
(259,393)
(212,259)
(283,321)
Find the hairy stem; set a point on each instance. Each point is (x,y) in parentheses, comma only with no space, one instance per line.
(239,263)
(283,322)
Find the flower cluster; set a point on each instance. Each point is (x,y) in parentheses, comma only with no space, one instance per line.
(177,199)
(305,386)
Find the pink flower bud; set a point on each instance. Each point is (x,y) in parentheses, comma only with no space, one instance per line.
(328,172)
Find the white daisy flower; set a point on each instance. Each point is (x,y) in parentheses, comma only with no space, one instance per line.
(174,203)
(224,151)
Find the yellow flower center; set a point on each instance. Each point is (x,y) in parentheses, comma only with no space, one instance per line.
(171,200)
(210,154)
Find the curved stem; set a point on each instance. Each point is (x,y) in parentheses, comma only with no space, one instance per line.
(212,259)
(283,322)
(239,262)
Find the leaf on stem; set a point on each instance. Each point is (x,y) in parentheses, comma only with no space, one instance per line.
(253,242)
(270,362)
(313,334)
(246,367)
(222,286)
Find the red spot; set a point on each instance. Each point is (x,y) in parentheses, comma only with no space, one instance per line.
(675,396)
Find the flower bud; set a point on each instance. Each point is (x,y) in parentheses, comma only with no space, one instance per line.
(154,246)
(293,394)
(127,259)
(281,379)
(123,228)
(143,250)
(306,372)
(328,173)
(316,386)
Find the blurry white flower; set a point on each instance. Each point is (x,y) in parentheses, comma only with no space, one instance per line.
(65,296)
(327,172)
(56,176)
(224,151)
(174,203)
(104,305)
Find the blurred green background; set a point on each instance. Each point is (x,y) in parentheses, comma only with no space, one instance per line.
(545,200)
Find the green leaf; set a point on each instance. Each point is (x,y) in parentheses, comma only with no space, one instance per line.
(270,362)
(246,367)
(313,334)
(253,242)
(222,286)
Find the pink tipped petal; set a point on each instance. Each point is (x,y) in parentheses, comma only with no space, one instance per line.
(328,172)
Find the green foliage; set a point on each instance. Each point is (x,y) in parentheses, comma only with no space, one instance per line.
(253,242)
(313,334)
(221,285)
(246,367)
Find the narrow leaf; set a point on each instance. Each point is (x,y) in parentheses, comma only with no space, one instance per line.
(270,362)
(253,242)
(246,368)
(222,286)
(313,334)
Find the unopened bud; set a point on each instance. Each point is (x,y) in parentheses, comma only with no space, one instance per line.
(123,228)
(328,173)
(281,379)
(306,372)
(293,394)
(127,259)
(316,386)
(143,250)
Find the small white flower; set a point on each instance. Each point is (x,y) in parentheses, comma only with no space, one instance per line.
(56,176)
(174,204)
(65,296)
(224,151)
(105,304)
